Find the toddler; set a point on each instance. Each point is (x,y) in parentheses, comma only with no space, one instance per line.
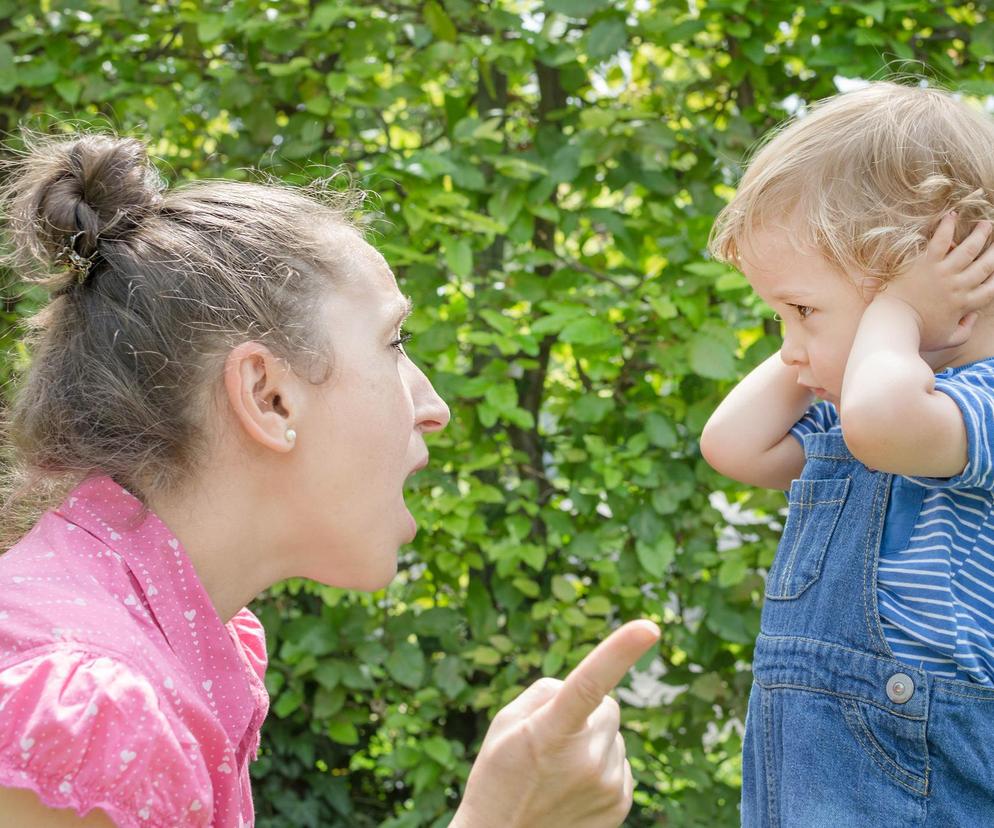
(866,226)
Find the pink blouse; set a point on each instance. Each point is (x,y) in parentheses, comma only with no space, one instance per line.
(120,687)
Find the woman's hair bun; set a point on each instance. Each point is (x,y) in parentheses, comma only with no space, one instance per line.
(65,195)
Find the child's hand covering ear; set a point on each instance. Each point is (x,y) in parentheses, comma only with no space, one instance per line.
(948,285)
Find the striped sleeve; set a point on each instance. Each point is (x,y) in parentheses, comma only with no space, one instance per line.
(821,417)
(972,389)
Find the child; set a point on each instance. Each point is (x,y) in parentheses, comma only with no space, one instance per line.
(864,226)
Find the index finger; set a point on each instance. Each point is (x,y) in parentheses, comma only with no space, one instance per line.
(596,676)
(942,238)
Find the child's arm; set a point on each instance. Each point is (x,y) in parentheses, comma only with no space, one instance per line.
(747,438)
(892,417)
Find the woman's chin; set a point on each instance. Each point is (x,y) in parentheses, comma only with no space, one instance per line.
(374,572)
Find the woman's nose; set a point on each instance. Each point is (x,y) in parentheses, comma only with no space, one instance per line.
(430,411)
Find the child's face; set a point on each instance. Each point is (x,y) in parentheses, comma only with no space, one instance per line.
(820,308)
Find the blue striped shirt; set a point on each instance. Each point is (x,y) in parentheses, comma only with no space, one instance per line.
(935,584)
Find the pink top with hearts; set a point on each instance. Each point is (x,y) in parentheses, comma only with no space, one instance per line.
(120,687)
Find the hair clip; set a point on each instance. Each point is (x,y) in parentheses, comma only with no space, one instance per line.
(78,264)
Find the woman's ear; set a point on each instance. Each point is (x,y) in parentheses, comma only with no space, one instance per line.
(263,394)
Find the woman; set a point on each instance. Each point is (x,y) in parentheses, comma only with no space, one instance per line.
(222,365)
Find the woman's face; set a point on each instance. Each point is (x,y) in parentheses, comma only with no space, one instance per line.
(361,434)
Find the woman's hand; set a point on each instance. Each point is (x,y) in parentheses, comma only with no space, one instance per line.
(554,757)
(946,287)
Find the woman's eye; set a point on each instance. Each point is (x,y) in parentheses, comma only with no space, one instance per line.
(401,341)
(803,311)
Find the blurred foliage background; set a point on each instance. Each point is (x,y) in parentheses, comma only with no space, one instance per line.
(546,173)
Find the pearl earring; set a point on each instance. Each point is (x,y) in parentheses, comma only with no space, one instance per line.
(291,435)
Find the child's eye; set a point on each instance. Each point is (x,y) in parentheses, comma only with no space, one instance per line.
(803,311)
(400,341)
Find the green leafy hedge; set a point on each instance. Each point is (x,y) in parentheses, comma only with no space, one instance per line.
(547,173)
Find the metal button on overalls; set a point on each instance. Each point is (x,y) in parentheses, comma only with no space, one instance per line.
(900,688)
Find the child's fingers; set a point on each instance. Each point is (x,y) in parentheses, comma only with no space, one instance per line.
(942,238)
(980,271)
(963,330)
(965,252)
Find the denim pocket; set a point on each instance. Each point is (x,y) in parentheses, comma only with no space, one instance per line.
(813,510)
(896,745)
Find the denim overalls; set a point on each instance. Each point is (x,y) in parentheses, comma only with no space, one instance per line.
(840,733)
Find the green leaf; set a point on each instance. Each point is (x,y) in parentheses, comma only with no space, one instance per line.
(439,749)
(646,525)
(589,331)
(707,686)
(876,9)
(487,656)
(8,70)
(598,605)
(459,257)
(710,357)
(287,702)
(448,676)
(656,555)
(439,22)
(480,610)
(576,8)
(328,702)
(503,397)
(660,431)
(606,38)
(563,589)
(210,27)
(555,657)
(732,571)
(406,665)
(592,408)
(341,730)
(69,89)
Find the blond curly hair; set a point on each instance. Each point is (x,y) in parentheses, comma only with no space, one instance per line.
(864,177)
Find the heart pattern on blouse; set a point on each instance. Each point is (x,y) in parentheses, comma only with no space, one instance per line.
(127,756)
(189,615)
(224,767)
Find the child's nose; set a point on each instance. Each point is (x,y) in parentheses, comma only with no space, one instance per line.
(791,353)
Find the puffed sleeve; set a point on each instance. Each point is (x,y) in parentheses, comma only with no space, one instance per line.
(85,731)
(972,389)
(250,636)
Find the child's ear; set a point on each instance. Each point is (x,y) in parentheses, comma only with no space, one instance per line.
(870,286)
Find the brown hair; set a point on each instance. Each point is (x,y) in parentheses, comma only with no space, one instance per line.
(151,286)
(866,176)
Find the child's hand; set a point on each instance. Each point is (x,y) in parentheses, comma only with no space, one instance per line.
(947,286)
